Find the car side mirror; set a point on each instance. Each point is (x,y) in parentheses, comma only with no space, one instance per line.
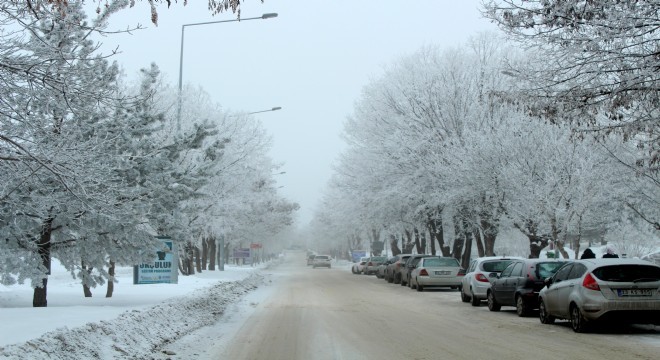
(548,281)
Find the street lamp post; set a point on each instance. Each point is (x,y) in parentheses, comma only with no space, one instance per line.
(183,27)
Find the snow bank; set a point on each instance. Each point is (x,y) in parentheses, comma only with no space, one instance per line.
(137,334)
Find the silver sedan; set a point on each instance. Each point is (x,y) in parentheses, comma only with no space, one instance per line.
(436,271)
(586,291)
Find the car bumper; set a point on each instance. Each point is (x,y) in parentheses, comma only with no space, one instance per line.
(638,312)
(430,281)
(480,290)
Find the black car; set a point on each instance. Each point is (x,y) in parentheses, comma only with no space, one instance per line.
(519,284)
(393,270)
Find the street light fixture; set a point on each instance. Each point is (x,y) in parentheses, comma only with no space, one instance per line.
(262,111)
(183,27)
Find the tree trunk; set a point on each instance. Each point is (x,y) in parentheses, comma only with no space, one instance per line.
(423,237)
(536,242)
(394,245)
(111,280)
(186,264)
(198,259)
(39,298)
(86,273)
(409,245)
(205,252)
(555,236)
(479,242)
(438,233)
(211,251)
(578,237)
(465,260)
(430,226)
(226,252)
(418,244)
(459,238)
(490,229)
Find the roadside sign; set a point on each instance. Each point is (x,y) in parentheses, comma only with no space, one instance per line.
(163,270)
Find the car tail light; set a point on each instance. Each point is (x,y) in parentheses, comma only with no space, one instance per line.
(461,272)
(481,277)
(423,272)
(398,265)
(370,264)
(590,283)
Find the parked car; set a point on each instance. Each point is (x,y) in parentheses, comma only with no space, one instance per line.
(382,268)
(410,264)
(617,290)
(372,264)
(476,282)
(393,271)
(519,284)
(310,259)
(436,271)
(358,266)
(322,261)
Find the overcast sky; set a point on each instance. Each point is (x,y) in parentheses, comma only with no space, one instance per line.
(312,60)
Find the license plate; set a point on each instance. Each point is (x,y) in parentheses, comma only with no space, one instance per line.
(635,292)
(443,272)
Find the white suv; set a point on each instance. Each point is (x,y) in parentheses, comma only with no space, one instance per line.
(322,260)
(476,282)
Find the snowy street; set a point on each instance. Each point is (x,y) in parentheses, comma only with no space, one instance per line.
(307,313)
(289,311)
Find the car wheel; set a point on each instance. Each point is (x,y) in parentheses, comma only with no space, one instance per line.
(578,322)
(420,288)
(464,298)
(522,309)
(492,303)
(473,300)
(329,266)
(390,279)
(397,278)
(543,314)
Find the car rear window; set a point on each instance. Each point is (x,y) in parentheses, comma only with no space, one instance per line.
(321,257)
(547,269)
(495,265)
(628,273)
(437,262)
(378,258)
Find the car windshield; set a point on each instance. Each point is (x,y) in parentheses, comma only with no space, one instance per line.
(495,265)
(547,269)
(628,273)
(438,262)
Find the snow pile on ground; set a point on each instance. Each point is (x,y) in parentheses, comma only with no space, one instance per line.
(137,334)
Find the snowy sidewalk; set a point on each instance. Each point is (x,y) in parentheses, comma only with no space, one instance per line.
(134,323)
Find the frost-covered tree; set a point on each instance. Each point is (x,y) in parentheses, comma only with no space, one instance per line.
(595,66)
(401,128)
(55,86)
(214,6)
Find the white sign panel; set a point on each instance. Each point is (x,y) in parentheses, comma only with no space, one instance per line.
(164,269)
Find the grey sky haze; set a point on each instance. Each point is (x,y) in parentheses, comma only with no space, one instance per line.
(312,60)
